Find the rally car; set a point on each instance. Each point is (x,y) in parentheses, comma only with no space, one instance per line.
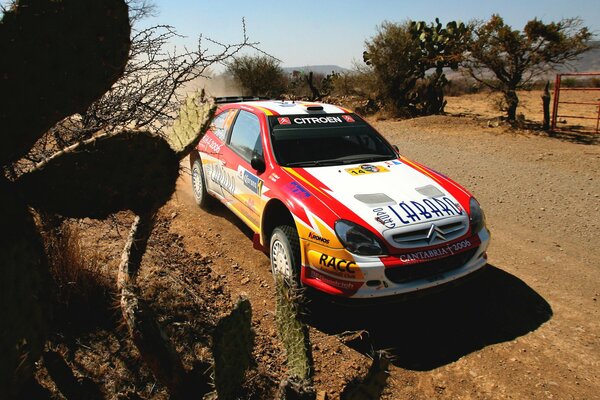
(334,205)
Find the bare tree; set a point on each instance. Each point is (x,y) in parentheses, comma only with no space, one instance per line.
(149,93)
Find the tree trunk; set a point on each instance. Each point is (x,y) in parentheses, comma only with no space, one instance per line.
(512,101)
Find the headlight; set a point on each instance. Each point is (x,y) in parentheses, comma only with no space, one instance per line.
(477,216)
(357,239)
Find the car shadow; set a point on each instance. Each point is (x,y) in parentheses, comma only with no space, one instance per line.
(219,209)
(425,333)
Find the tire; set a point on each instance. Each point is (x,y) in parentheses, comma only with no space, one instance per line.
(285,255)
(203,199)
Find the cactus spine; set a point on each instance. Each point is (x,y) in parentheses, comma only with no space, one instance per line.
(233,341)
(294,335)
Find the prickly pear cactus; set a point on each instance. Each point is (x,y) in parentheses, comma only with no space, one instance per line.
(22,293)
(233,341)
(194,116)
(58,56)
(293,333)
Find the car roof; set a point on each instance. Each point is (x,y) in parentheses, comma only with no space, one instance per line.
(279,107)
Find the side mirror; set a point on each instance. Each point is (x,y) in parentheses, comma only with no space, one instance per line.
(258,163)
(396,149)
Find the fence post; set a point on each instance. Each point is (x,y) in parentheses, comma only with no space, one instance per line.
(555,104)
(546,105)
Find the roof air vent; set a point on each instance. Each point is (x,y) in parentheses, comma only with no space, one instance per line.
(314,107)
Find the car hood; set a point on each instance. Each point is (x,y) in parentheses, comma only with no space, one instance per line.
(390,196)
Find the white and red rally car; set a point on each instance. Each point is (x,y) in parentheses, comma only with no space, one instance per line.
(333,203)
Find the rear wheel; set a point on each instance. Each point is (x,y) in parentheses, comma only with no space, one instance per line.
(285,255)
(203,199)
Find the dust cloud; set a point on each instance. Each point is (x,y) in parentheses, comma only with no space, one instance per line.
(217,86)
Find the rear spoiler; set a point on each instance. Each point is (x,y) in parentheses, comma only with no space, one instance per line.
(239,99)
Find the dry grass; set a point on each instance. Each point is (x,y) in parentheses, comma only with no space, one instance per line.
(82,292)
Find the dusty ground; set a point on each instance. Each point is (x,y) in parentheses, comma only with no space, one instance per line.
(526,327)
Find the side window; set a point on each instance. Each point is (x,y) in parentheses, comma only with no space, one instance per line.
(221,123)
(245,137)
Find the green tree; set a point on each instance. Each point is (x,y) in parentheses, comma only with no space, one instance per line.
(408,60)
(392,54)
(258,75)
(516,58)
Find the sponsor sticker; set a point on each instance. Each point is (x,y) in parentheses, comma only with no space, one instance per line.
(392,163)
(274,177)
(384,218)
(408,212)
(219,175)
(348,118)
(446,250)
(318,120)
(346,286)
(297,190)
(317,238)
(334,265)
(212,144)
(251,181)
(284,121)
(366,169)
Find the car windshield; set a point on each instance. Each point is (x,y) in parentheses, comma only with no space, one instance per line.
(330,139)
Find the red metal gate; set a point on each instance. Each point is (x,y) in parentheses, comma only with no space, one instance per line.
(582,98)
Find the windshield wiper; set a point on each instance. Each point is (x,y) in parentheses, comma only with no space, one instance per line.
(315,163)
(376,157)
(303,164)
(361,158)
(353,159)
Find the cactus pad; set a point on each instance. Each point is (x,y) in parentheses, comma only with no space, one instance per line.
(233,341)
(57,58)
(130,170)
(194,117)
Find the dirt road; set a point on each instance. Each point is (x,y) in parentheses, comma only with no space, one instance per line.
(527,327)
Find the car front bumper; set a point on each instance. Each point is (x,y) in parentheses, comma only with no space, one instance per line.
(392,276)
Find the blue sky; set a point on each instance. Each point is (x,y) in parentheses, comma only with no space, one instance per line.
(312,32)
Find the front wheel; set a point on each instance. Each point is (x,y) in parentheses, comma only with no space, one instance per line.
(203,199)
(285,255)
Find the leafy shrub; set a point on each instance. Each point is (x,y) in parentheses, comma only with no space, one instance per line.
(401,55)
(258,75)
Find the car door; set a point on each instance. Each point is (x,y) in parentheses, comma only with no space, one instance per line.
(211,148)
(244,191)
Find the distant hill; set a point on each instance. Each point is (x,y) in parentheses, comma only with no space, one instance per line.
(588,61)
(317,69)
